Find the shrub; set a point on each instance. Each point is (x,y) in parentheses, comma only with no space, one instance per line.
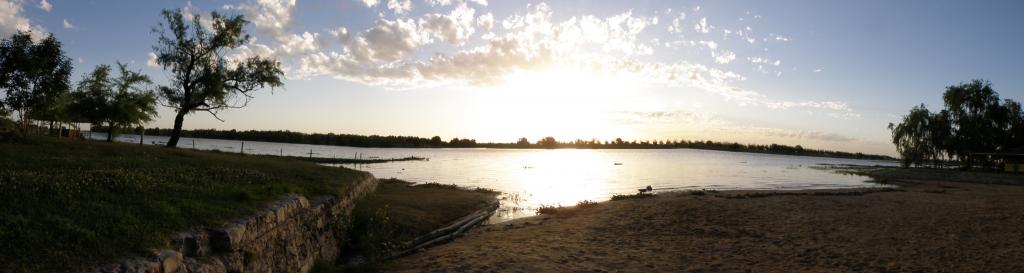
(545,209)
(618,197)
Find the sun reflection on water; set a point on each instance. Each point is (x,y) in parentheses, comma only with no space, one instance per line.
(558,178)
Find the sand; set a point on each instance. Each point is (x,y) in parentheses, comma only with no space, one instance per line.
(926,226)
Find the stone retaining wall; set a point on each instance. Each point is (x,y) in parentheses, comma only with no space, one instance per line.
(287,236)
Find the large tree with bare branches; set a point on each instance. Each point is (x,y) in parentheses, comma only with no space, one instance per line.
(202,78)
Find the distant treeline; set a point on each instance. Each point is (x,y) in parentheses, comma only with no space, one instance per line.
(522,143)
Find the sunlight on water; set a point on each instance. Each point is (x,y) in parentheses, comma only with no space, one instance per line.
(562,177)
(529,179)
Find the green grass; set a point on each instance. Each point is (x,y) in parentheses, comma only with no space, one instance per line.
(68,205)
(398,212)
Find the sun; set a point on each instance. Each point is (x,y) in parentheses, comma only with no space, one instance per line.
(561,101)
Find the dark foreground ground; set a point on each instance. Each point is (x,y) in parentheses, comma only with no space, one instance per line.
(924,226)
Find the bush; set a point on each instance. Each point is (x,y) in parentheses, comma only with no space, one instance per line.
(586,204)
(545,209)
(618,197)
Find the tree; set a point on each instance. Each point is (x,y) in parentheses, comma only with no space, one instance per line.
(202,78)
(548,142)
(33,75)
(912,137)
(92,97)
(973,121)
(523,142)
(976,119)
(133,104)
(1014,138)
(119,102)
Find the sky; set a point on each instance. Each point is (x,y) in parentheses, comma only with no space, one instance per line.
(822,74)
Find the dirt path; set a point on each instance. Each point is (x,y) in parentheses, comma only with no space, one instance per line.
(927,226)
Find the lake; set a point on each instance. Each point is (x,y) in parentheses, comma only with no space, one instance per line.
(529,178)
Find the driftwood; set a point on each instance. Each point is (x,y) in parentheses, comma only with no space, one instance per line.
(448,232)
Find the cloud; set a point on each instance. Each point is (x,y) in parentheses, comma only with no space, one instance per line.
(68,25)
(12,21)
(709,44)
(702,26)
(529,41)
(400,7)
(387,40)
(724,56)
(704,122)
(295,43)
(252,50)
(769,132)
(151,61)
(659,117)
(486,22)
(441,3)
(45,5)
(275,18)
(442,49)
(779,38)
(677,23)
(830,105)
(271,17)
(454,28)
(807,134)
(189,12)
(371,3)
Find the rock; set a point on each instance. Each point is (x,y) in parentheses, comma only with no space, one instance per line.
(191,244)
(171,261)
(110,268)
(140,265)
(228,238)
(207,266)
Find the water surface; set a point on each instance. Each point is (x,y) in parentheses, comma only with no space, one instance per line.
(529,178)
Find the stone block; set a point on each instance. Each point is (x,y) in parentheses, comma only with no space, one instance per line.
(171,261)
(228,238)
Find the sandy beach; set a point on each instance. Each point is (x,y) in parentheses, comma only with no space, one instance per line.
(924,226)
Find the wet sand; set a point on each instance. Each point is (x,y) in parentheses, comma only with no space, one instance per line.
(929,226)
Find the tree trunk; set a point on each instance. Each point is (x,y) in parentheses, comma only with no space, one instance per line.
(176,133)
(24,121)
(110,132)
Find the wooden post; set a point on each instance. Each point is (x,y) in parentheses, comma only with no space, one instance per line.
(310,153)
(143,135)
(242,150)
(193,144)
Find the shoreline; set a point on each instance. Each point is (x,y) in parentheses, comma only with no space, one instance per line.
(924,225)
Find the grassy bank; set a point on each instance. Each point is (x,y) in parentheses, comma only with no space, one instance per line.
(897,174)
(67,204)
(399,212)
